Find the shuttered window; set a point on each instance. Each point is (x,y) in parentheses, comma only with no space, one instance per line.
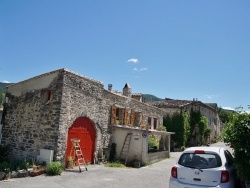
(132,119)
(126,117)
(113,115)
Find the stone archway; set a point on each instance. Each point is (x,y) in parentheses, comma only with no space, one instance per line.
(83,129)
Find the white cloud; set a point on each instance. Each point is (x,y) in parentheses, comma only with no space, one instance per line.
(228,108)
(5,81)
(140,69)
(133,60)
(212,96)
(209,96)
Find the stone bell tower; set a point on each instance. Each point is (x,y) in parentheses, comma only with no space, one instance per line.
(127,91)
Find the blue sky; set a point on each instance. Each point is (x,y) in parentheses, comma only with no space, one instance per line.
(180,49)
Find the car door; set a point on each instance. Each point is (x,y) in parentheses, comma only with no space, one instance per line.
(230,167)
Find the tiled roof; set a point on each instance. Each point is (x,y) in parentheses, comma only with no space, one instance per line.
(171,103)
(213,105)
(136,94)
(93,80)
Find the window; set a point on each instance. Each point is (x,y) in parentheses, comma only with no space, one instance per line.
(155,123)
(149,120)
(132,118)
(46,96)
(113,115)
(126,117)
(202,161)
(122,116)
(117,112)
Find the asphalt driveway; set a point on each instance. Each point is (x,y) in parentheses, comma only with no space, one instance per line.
(98,176)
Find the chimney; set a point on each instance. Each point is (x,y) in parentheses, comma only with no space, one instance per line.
(110,87)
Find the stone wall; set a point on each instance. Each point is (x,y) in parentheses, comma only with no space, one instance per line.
(32,122)
(138,106)
(82,97)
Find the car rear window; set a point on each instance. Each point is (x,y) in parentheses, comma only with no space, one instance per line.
(201,160)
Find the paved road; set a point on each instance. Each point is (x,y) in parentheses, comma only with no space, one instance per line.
(99,176)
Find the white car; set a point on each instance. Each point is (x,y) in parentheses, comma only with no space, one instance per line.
(203,167)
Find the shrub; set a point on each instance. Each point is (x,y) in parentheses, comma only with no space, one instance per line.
(153,141)
(4,151)
(5,167)
(54,168)
(236,133)
(17,164)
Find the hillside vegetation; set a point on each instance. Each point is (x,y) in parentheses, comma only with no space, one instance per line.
(151,98)
(3,86)
(2,92)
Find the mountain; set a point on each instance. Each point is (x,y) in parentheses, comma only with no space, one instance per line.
(3,86)
(151,98)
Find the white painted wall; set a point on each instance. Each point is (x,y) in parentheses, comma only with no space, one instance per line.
(36,83)
(139,144)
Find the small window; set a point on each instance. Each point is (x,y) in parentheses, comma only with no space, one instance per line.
(132,118)
(155,123)
(46,96)
(149,120)
(117,112)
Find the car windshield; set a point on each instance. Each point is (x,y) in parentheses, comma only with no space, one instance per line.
(200,161)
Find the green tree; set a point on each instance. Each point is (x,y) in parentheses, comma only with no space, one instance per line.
(203,128)
(194,119)
(177,123)
(236,133)
(225,115)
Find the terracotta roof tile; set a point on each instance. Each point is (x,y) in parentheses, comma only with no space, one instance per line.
(171,103)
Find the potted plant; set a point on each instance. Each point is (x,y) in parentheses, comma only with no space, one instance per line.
(117,121)
(142,126)
(161,128)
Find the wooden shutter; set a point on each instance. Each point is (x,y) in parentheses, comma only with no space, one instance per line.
(132,122)
(142,120)
(113,115)
(126,117)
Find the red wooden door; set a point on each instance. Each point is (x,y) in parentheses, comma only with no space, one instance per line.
(84,130)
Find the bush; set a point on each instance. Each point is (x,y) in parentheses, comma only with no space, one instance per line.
(153,141)
(5,167)
(4,151)
(236,133)
(17,164)
(54,169)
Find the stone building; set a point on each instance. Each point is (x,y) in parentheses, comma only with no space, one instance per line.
(210,110)
(47,111)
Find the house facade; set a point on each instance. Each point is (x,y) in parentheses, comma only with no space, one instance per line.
(49,110)
(210,110)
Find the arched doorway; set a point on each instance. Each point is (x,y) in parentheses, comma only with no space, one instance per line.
(83,129)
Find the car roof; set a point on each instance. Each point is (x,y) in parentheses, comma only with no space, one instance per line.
(204,148)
